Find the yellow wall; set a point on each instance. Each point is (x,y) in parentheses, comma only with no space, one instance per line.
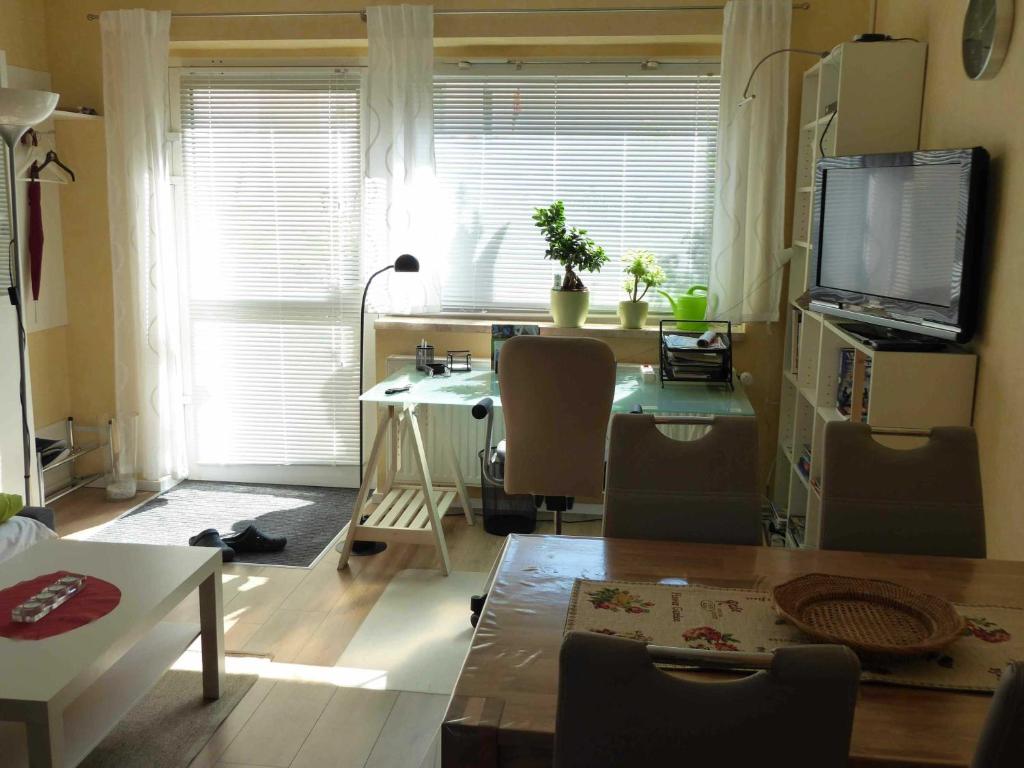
(75,63)
(48,369)
(962,113)
(23,33)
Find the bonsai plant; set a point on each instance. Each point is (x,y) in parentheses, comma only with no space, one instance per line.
(576,252)
(643,273)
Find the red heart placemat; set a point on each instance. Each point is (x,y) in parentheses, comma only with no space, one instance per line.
(96,600)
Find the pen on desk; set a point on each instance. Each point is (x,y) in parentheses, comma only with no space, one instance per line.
(396,390)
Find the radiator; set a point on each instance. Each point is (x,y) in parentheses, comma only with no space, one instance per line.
(439,423)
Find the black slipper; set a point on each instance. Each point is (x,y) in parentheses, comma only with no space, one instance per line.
(252,540)
(210,538)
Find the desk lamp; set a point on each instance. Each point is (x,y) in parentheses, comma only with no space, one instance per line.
(404,263)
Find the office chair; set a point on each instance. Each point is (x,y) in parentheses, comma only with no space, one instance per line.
(1002,739)
(617,710)
(556,396)
(702,491)
(919,501)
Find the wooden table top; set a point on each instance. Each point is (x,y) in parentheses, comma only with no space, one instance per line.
(503,708)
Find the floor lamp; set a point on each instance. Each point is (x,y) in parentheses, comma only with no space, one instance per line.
(19,110)
(404,263)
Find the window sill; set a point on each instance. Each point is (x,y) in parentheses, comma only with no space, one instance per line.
(606,325)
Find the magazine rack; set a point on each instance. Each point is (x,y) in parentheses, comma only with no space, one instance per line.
(697,364)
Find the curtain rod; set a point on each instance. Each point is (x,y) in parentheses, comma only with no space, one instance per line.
(452,12)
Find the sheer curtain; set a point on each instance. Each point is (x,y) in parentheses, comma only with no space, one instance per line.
(402,208)
(147,331)
(747,244)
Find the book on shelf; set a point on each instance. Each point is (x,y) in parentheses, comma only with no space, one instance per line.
(865,389)
(854,376)
(794,348)
(803,464)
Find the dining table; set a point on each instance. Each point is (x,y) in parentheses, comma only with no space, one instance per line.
(502,711)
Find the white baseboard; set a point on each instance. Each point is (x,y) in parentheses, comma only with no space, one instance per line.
(160,485)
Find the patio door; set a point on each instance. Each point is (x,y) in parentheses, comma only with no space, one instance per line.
(269,196)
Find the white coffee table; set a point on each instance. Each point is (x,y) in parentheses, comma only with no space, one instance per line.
(72,689)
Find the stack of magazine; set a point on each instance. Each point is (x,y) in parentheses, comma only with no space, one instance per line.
(695,358)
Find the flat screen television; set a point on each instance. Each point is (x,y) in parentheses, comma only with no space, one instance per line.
(897,239)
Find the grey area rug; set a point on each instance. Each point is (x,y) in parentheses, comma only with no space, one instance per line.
(170,725)
(309,516)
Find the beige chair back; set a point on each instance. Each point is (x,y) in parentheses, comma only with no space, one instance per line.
(918,501)
(556,397)
(1002,739)
(702,490)
(617,710)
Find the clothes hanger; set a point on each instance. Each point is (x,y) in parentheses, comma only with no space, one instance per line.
(52,157)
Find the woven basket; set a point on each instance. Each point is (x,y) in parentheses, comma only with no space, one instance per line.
(873,618)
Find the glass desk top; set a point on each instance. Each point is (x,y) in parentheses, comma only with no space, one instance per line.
(466,389)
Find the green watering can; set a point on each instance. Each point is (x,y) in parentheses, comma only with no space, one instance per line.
(692,305)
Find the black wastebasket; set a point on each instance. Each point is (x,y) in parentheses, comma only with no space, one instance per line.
(504,513)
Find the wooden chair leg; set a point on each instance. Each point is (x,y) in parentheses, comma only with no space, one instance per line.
(364,489)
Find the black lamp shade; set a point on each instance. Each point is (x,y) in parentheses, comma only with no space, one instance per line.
(407,263)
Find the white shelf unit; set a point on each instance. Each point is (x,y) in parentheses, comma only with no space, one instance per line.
(65,114)
(863,98)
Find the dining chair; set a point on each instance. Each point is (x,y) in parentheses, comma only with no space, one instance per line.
(916,501)
(616,709)
(556,397)
(1002,739)
(702,490)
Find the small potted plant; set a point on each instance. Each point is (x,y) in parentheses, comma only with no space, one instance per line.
(643,273)
(571,248)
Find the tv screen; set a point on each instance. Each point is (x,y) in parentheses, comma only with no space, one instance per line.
(892,231)
(896,239)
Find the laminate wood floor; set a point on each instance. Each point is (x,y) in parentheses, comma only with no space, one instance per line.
(292,626)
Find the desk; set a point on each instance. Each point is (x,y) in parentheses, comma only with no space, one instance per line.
(411,513)
(502,712)
(467,389)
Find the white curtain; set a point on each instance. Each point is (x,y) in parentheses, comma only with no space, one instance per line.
(402,209)
(147,332)
(750,186)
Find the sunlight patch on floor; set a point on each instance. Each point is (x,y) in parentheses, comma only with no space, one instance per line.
(340,677)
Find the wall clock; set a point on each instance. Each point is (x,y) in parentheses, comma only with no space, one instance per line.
(986,37)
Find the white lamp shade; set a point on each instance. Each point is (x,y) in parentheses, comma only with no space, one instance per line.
(20,109)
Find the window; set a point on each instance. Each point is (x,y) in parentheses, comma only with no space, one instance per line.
(271,212)
(632,156)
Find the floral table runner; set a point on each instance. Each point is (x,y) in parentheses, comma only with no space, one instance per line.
(744,620)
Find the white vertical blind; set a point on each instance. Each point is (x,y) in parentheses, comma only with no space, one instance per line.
(631,155)
(272,178)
